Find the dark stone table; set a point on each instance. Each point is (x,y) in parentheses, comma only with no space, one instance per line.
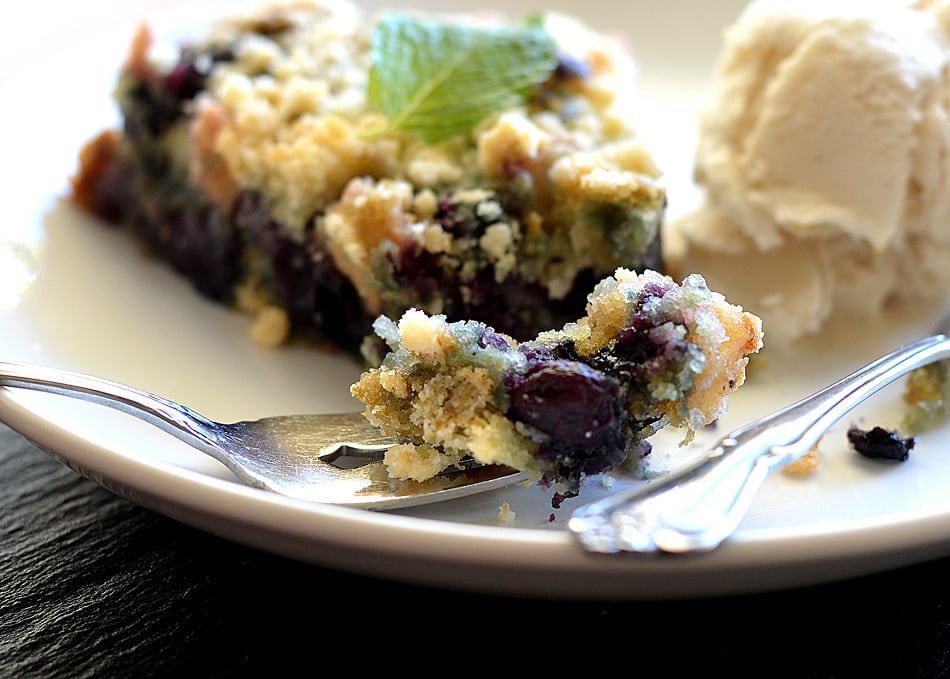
(92,585)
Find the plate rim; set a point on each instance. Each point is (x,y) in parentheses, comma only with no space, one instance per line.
(549,564)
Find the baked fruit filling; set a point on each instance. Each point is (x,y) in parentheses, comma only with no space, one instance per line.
(570,403)
(255,163)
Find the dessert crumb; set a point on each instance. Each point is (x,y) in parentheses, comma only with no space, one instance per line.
(505,514)
(927,395)
(271,327)
(880,444)
(804,465)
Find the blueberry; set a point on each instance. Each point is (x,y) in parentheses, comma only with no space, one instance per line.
(183,81)
(881,444)
(572,68)
(571,403)
(490,338)
(158,100)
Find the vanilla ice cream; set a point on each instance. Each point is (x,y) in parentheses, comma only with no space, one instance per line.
(824,159)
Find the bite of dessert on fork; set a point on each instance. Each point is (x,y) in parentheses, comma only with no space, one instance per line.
(570,403)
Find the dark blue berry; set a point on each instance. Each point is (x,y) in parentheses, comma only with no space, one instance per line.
(573,404)
(880,444)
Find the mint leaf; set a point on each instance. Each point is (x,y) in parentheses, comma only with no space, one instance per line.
(438,80)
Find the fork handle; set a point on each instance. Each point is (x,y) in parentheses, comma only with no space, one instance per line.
(173,418)
(698,507)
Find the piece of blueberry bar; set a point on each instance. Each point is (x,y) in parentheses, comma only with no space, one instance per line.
(569,403)
(316,166)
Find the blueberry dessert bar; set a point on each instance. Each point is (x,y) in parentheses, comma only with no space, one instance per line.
(317,166)
(569,403)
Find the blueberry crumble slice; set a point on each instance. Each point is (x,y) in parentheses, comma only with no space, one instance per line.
(251,163)
(570,403)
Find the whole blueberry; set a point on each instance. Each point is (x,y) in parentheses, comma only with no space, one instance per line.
(570,402)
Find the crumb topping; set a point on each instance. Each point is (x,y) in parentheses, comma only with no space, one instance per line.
(295,98)
(252,162)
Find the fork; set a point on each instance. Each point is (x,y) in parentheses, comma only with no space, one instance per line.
(331,458)
(696,508)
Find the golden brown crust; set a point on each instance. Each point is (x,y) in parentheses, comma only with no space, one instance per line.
(726,363)
(96,157)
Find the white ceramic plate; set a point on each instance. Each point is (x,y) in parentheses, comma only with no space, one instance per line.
(77,295)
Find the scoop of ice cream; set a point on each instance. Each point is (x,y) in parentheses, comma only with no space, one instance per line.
(824,155)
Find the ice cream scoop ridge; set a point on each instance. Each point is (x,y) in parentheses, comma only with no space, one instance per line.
(824,154)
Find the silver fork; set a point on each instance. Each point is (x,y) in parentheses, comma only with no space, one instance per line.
(331,458)
(696,508)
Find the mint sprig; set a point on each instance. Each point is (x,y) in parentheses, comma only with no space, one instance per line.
(438,80)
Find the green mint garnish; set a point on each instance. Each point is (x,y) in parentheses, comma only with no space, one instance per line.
(439,80)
